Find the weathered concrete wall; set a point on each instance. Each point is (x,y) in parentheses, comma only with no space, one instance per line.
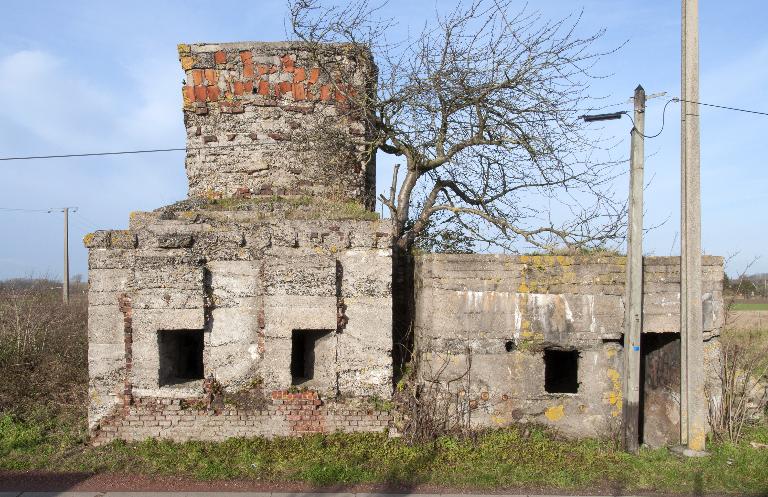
(275,118)
(246,283)
(499,313)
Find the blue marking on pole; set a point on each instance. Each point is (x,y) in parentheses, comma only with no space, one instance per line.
(636,348)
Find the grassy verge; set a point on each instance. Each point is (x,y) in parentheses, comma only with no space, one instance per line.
(497,459)
(743,306)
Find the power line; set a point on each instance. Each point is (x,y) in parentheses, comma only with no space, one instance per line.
(723,107)
(10,209)
(47,211)
(93,154)
(87,221)
(146,151)
(261,145)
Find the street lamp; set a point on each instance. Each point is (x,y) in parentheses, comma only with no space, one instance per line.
(602,117)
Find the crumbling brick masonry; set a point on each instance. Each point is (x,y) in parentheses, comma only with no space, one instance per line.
(275,118)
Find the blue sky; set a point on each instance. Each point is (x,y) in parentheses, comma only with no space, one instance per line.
(92,76)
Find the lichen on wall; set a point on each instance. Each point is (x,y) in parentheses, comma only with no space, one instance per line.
(502,313)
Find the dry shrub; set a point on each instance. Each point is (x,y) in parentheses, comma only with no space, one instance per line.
(435,403)
(743,380)
(43,346)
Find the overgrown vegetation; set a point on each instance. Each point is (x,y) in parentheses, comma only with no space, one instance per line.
(43,347)
(743,375)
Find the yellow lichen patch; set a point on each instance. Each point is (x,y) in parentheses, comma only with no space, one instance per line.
(698,439)
(498,420)
(188,215)
(610,353)
(614,397)
(187,62)
(555,413)
(523,288)
(87,239)
(525,329)
(183,48)
(564,260)
(212,195)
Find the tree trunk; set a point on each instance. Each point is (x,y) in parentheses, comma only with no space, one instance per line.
(402,307)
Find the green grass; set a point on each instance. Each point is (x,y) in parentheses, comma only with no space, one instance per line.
(505,458)
(743,306)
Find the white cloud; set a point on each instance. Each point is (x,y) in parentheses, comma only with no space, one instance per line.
(54,109)
(158,120)
(50,105)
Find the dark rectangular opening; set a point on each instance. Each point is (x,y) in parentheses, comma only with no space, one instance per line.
(303,354)
(561,371)
(660,389)
(181,356)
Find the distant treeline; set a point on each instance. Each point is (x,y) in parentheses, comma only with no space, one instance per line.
(747,286)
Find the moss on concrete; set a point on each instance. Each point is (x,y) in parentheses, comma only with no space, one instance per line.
(287,207)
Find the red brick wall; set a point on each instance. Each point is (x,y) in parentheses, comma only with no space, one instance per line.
(240,77)
(277,119)
(285,414)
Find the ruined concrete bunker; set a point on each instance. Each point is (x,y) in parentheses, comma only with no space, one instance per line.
(262,304)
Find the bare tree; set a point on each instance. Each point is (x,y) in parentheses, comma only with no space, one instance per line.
(483,107)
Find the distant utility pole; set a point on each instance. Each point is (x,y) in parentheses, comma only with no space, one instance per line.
(65,286)
(65,278)
(693,416)
(633,313)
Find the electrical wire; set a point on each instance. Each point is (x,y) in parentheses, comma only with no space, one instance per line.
(663,119)
(92,154)
(760,113)
(146,151)
(86,220)
(47,211)
(12,209)
(261,145)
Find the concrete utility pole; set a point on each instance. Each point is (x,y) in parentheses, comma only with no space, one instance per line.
(633,314)
(65,286)
(693,416)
